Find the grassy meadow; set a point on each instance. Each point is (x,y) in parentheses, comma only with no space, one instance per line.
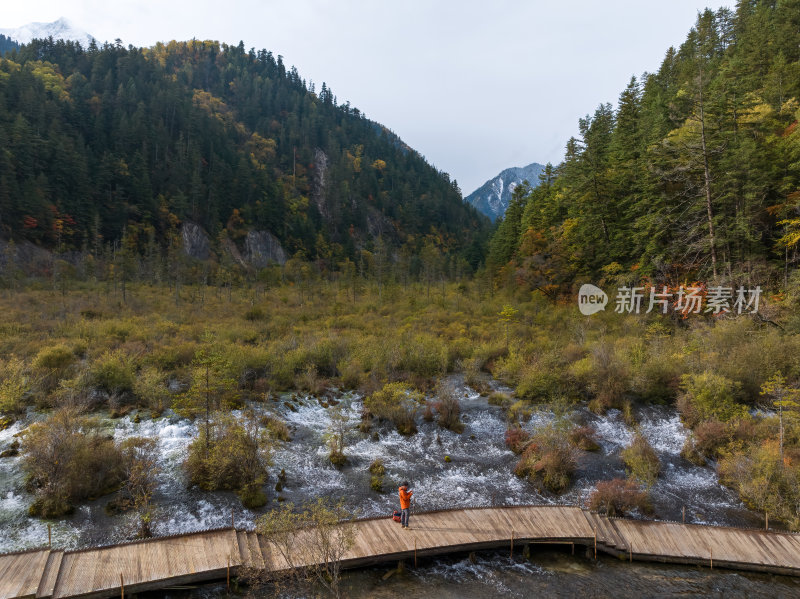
(205,350)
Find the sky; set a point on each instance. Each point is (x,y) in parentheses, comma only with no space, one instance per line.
(474,86)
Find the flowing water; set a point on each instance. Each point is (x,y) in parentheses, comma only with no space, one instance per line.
(478,473)
(546,573)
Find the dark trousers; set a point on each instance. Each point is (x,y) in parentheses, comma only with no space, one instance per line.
(404,517)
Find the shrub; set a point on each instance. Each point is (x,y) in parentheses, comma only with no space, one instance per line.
(583,437)
(763,482)
(690,452)
(604,375)
(641,461)
(498,398)
(352,374)
(57,357)
(310,381)
(320,533)
(539,384)
(66,460)
(422,354)
(708,395)
(396,403)
(11,451)
(337,457)
(618,497)
(234,456)
(276,428)
(516,438)
(448,407)
(336,437)
(252,496)
(708,438)
(151,389)
(173,356)
(628,416)
(657,379)
(113,373)
(520,411)
(14,385)
(509,368)
(377,467)
(473,375)
(140,466)
(548,460)
(255,313)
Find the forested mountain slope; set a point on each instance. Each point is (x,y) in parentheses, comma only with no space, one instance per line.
(694,174)
(110,141)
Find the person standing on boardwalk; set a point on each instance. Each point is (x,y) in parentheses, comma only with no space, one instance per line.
(405,503)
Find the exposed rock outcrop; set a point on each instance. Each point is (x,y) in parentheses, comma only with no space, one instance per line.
(318,181)
(26,256)
(195,241)
(231,248)
(262,248)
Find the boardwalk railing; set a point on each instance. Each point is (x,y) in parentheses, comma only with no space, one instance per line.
(213,554)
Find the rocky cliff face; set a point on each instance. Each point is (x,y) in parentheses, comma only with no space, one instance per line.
(195,241)
(318,181)
(26,256)
(263,248)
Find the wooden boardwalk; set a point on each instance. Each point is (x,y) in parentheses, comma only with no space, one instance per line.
(209,555)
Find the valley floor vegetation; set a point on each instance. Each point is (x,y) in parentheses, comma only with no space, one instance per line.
(71,354)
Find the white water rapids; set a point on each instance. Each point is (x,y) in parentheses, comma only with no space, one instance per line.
(479,472)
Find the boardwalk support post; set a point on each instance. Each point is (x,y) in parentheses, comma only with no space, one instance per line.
(712,558)
(121,585)
(512,543)
(573,548)
(228,574)
(766,520)
(595,544)
(415,552)
(683,514)
(630,553)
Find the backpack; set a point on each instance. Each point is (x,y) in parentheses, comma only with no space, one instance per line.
(396,516)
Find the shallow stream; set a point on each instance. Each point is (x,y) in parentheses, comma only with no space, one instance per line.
(479,472)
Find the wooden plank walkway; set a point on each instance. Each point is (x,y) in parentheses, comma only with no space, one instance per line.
(203,556)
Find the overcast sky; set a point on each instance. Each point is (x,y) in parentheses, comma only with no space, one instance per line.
(475,86)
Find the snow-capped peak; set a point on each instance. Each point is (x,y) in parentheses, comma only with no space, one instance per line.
(62,29)
(493,197)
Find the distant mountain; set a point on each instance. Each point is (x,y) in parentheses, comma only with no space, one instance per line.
(492,197)
(62,29)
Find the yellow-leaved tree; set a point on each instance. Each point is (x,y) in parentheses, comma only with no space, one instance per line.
(785,399)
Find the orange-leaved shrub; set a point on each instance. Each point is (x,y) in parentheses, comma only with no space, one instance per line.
(618,497)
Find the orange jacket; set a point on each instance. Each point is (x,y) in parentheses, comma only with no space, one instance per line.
(405,497)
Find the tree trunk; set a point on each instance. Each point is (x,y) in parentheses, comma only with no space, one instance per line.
(208,411)
(707,185)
